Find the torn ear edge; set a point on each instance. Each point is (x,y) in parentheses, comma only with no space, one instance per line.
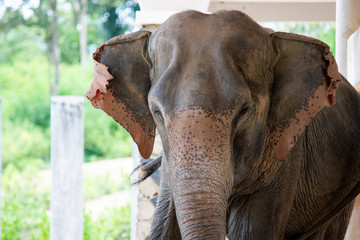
(101,74)
(332,68)
(284,138)
(102,97)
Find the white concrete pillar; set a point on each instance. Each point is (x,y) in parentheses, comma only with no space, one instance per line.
(135,195)
(353,231)
(353,76)
(347,21)
(67,157)
(353,57)
(144,196)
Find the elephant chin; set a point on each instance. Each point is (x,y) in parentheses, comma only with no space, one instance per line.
(201,172)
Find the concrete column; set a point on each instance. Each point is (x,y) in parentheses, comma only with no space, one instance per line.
(144,196)
(135,195)
(347,21)
(353,231)
(67,157)
(353,58)
(353,72)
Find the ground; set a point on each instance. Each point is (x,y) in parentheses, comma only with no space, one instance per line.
(110,172)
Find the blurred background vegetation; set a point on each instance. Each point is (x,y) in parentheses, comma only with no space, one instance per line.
(41,56)
(46,48)
(29,73)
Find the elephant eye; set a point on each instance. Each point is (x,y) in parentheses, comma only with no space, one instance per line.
(243,110)
(158,115)
(240,114)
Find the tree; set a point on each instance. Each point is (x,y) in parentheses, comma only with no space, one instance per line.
(108,11)
(113,15)
(80,18)
(89,21)
(44,17)
(116,18)
(55,48)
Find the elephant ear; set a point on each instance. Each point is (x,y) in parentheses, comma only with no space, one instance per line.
(121,85)
(306,77)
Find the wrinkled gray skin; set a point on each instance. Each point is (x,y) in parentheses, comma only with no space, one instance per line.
(222,93)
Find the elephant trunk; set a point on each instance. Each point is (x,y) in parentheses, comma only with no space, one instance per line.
(201,174)
(200,208)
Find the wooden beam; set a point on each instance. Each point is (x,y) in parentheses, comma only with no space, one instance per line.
(260,10)
(276,1)
(281,11)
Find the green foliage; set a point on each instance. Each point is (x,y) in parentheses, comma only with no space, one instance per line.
(25,77)
(112,24)
(25,205)
(12,15)
(323,31)
(20,43)
(104,138)
(115,22)
(97,186)
(69,44)
(113,224)
(25,144)
(26,114)
(25,91)
(28,26)
(23,214)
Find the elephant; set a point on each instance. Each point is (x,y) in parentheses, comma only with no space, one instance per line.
(260,131)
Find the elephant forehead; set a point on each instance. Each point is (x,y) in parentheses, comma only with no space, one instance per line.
(193,24)
(210,85)
(222,51)
(193,33)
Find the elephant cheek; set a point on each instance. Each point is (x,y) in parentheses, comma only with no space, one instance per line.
(201,172)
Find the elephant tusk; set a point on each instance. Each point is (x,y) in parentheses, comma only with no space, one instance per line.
(150,164)
(146,169)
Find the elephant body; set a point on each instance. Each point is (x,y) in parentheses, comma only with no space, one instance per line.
(254,145)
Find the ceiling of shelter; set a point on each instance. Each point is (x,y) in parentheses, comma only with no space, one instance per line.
(157,11)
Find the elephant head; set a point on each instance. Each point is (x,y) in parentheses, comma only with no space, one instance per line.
(223,93)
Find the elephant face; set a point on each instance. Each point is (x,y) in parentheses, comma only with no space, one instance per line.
(223,93)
